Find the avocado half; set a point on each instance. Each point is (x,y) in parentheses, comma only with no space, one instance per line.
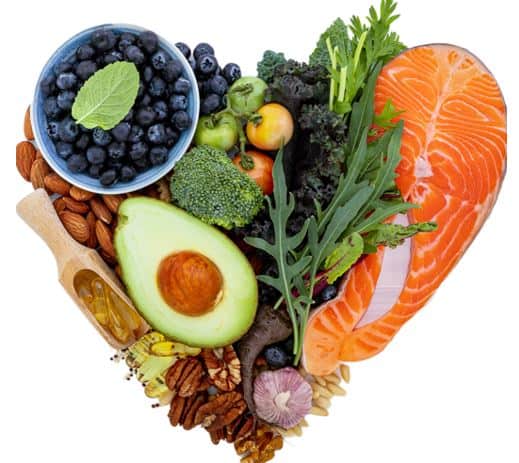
(186,278)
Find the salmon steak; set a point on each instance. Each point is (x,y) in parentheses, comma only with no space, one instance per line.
(453,162)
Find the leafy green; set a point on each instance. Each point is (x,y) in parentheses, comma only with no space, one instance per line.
(107,96)
(351,58)
(340,260)
(268,64)
(393,235)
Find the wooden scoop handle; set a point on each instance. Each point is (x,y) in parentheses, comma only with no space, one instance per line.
(38,212)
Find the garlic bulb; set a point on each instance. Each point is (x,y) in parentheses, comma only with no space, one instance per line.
(282,397)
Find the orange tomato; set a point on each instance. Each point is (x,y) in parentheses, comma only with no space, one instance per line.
(276,127)
(261,173)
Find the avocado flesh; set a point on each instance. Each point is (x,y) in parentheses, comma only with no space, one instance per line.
(150,230)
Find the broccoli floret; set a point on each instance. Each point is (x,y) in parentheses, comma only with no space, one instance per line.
(268,63)
(207,184)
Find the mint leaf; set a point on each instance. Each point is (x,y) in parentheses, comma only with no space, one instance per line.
(107,96)
(343,257)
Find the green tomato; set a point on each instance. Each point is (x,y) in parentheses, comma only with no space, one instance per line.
(220,132)
(247,94)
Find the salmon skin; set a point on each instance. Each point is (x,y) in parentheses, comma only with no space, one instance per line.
(453,163)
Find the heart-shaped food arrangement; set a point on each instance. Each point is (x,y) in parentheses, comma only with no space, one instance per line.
(237,238)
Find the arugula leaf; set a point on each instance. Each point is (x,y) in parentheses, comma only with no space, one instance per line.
(107,96)
(343,257)
(393,235)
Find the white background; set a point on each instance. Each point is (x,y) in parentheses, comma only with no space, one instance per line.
(447,388)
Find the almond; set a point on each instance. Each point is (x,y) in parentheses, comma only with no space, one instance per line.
(27,126)
(39,155)
(39,170)
(109,259)
(76,225)
(105,238)
(59,205)
(100,210)
(80,195)
(76,206)
(92,239)
(55,184)
(25,156)
(113,202)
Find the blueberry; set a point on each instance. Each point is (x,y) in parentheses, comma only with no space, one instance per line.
(172,71)
(128,173)
(145,100)
(85,69)
(141,164)
(203,49)
(288,344)
(68,130)
(184,49)
(218,85)
(65,99)
(161,110)
(51,108)
(157,87)
(77,163)
(62,67)
(231,72)
(108,177)
(101,137)
(145,116)
(181,120)
(83,141)
(64,149)
(149,41)
(129,116)
(178,102)
(48,84)
(85,52)
(95,170)
(138,151)
(206,65)
(182,86)
(141,90)
(276,357)
(103,39)
(159,60)
(96,155)
(116,150)
(156,134)
(112,57)
(158,155)
(328,293)
(126,40)
(171,137)
(136,134)
(114,164)
(121,131)
(134,54)
(147,74)
(210,104)
(52,130)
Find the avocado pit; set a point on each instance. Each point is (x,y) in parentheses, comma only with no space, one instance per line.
(190,283)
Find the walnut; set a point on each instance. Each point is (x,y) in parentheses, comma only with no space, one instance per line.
(260,446)
(223,367)
(183,410)
(186,377)
(162,187)
(220,411)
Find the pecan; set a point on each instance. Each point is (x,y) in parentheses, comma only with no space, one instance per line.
(183,410)
(221,411)
(185,376)
(260,446)
(239,429)
(223,367)
(216,436)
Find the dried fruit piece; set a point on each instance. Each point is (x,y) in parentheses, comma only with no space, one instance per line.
(25,157)
(27,126)
(55,184)
(80,195)
(105,238)
(100,210)
(223,367)
(76,225)
(75,206)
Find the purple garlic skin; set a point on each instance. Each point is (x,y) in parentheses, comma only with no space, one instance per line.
(282,397)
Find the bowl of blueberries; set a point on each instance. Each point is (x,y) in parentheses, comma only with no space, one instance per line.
(152,137)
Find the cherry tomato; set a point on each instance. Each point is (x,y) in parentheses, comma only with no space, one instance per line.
(276,127)
(261,173)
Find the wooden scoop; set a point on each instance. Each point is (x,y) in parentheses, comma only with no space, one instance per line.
(75,260)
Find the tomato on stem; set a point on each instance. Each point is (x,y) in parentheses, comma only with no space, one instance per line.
(258,167)
(270,127)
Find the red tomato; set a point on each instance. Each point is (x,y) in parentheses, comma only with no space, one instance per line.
(261,173)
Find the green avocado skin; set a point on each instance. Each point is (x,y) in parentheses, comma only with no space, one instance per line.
(150,230)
